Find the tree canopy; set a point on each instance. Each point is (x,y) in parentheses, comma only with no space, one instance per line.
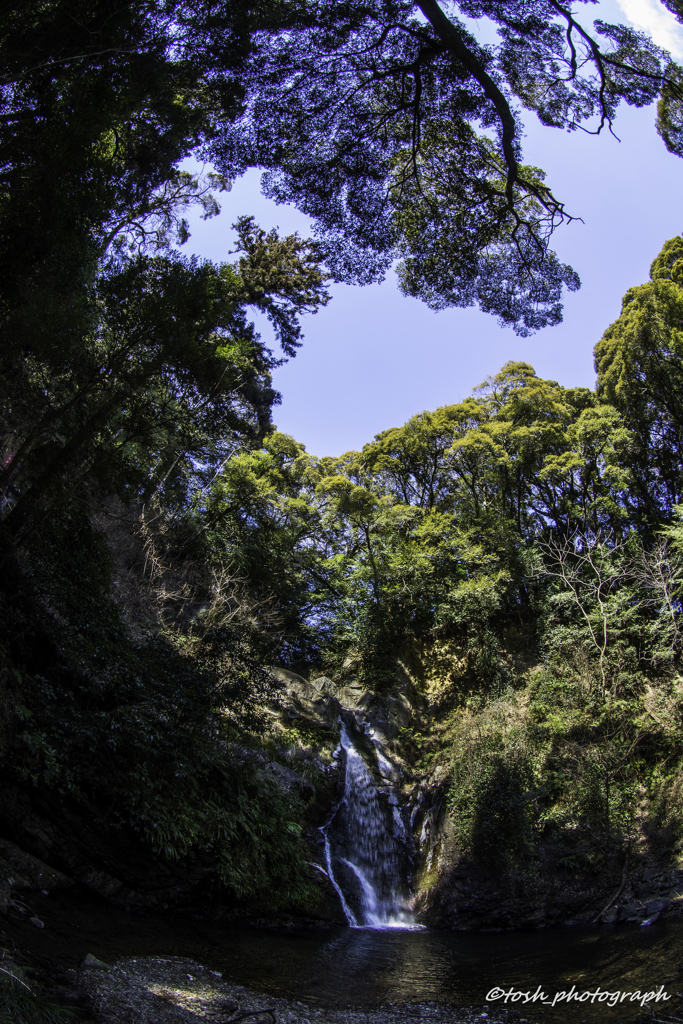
(638,361)
(122,360)
(435,525)
(400,132)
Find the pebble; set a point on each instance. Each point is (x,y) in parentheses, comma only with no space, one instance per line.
(36,922)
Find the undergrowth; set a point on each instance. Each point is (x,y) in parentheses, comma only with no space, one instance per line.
(21,1003)
(138,731)
(557,763)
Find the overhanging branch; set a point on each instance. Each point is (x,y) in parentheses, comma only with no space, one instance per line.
(450,36)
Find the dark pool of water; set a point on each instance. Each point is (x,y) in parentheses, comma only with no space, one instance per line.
(348,967)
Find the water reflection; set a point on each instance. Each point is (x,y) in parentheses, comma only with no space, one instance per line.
(356,967)
(367,967)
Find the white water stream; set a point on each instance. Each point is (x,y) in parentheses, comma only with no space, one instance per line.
(362,853)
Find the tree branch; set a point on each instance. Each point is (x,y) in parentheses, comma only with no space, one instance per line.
(451,37)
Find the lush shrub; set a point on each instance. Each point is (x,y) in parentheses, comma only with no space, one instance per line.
(490,799)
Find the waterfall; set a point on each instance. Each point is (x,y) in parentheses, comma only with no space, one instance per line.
(363,847)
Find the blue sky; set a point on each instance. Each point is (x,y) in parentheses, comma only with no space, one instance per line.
(373,358)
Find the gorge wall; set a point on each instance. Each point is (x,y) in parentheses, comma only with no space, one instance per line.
(398,832)
(406,734)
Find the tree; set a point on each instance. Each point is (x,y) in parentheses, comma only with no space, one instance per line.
(399,132)
(97,108)
(168,378)
(520,455)
(591,573)
(639,362)
(413,460)
(259,516)
(119,359)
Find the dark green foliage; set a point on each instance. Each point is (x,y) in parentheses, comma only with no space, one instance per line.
(121,361)
(101,721)
(557,765)
(129,374)
(638,361)
(490,800)
(98,107)
(430,530)
(21,1003)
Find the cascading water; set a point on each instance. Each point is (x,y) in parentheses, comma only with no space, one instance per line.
(362,846)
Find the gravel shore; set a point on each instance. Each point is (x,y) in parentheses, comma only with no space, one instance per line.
(155,990)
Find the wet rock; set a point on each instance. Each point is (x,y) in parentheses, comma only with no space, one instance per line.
(630,912)
(36,922)
(656,907)
(30,872)
(610,916)
(91,961)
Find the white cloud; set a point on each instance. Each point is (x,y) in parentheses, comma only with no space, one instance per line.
(652,17)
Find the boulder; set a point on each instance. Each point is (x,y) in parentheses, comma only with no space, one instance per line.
(325,685)
(294,684)
(353,693)
(302,699)
(91,961)
(29,872)
(630,912)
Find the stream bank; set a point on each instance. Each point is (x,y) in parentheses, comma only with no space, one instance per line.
(156,990)
(343,975)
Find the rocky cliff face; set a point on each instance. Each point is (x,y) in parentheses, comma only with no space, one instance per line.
(450,889)
(407,729)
